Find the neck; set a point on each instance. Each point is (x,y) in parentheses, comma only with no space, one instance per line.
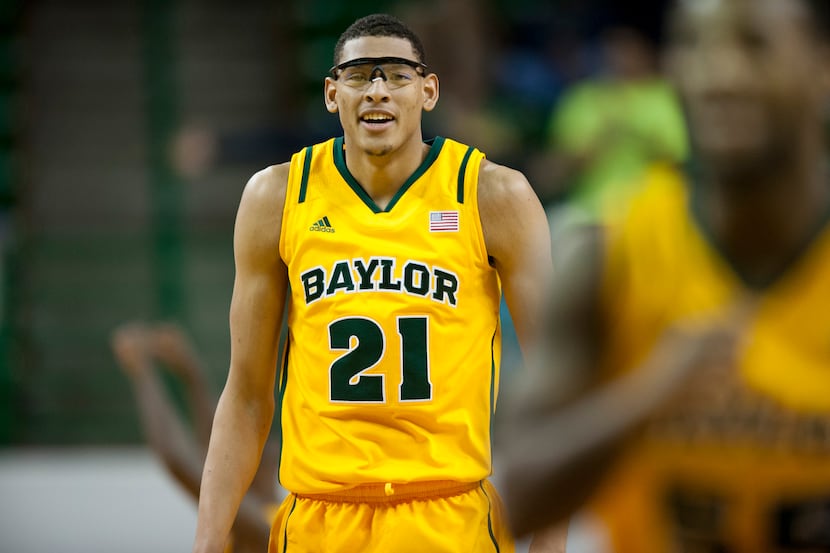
(762,218)
(382,175)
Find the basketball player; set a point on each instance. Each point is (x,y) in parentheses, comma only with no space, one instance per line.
(395,252)
(707,311)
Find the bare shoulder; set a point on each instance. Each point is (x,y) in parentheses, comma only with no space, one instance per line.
(499,183)
(510,211)
(266,188)
(259,218)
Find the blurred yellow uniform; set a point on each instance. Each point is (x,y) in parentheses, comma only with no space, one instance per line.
(391,371)
(741,464)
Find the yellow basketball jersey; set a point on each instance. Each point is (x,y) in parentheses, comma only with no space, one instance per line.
(393,326)
(740,465)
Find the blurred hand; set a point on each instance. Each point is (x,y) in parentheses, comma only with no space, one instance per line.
(131,346)
(172,346)
(704,352)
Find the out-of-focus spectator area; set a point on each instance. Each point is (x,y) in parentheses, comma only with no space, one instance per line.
(128,130)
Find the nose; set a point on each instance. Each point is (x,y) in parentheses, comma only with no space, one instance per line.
(377,90)
(725,69)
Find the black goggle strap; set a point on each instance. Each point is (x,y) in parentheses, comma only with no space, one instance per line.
(377,70)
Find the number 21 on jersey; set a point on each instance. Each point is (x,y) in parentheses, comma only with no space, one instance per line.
(364,342)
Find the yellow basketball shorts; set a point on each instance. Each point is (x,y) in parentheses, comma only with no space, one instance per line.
(433,517)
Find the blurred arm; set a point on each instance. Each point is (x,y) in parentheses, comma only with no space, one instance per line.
(552,455)
(172,347)
(562,431)
(162,426)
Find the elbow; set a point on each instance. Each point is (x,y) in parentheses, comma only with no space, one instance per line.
(250,402)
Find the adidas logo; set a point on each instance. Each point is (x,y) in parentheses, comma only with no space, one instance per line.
(322,225)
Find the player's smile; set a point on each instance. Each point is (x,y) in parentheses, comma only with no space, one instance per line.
(376,120)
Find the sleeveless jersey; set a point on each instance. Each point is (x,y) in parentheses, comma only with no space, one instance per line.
(393,325)
(739,465)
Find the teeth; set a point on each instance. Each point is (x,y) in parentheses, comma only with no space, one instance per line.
(376,117)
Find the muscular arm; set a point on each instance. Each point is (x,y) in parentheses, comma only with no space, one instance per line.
(518,243)
(246,406)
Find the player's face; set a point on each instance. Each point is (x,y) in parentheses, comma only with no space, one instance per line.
(751,73)
(379,115)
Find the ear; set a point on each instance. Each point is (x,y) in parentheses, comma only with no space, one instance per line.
(329,95)
(430,91)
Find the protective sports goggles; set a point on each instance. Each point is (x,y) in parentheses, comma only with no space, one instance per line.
(394,71)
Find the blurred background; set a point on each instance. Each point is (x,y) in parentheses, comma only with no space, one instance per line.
(127,132)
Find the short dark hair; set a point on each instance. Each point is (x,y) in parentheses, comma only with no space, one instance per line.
(379,24)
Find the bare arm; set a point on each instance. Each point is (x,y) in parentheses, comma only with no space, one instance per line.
(246,406)
(518,243)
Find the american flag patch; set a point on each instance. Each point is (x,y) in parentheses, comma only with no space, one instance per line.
(443,221)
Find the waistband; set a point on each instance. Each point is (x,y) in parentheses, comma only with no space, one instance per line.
(384,493)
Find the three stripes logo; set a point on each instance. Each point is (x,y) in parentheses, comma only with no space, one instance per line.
(323,225)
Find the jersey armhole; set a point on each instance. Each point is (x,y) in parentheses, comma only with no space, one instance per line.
(295,193)
(467,195)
